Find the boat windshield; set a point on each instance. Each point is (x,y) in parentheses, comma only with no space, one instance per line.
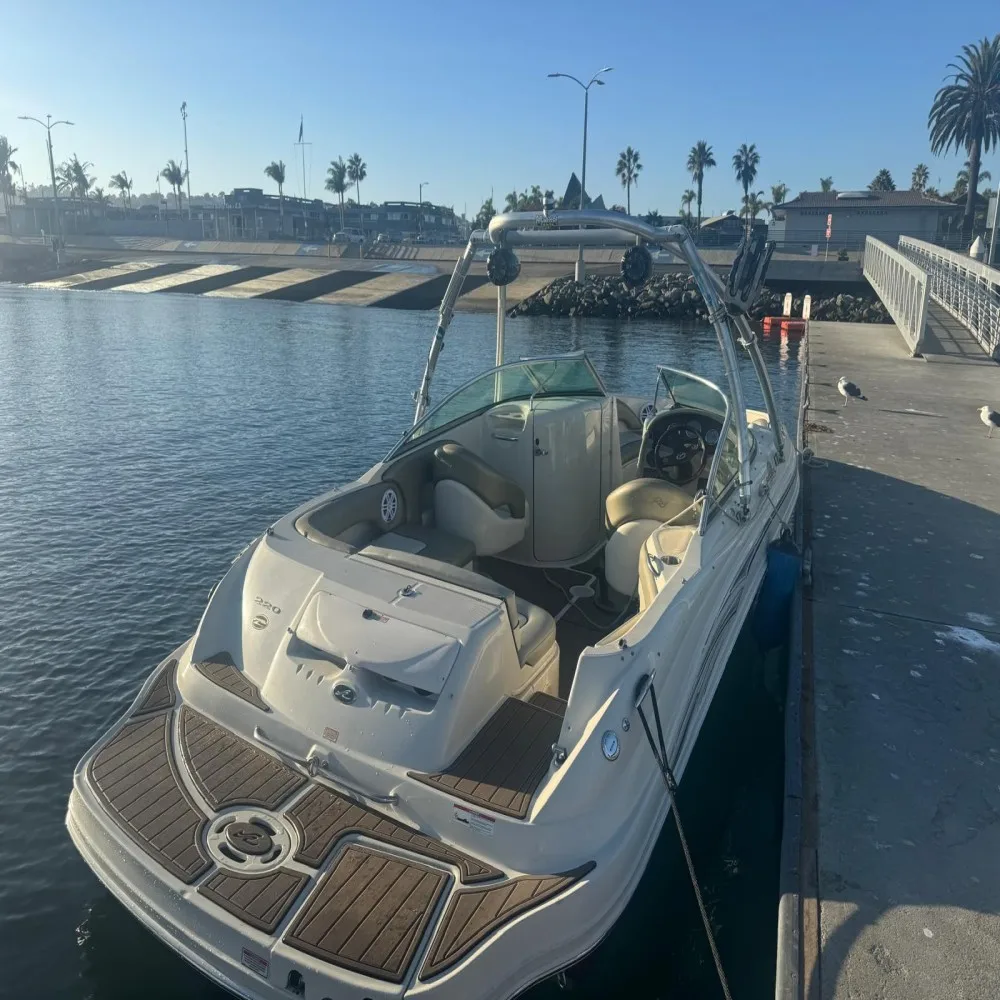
(528,379)
(683,389)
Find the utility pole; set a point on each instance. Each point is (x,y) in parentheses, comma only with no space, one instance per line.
(49,125)
(187,165)
(302,145)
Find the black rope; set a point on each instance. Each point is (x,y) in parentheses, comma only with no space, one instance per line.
(671,782)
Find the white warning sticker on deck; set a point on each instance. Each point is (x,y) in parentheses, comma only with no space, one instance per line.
(256,963)
(479,822)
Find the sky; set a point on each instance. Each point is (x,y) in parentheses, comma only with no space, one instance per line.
(457,94)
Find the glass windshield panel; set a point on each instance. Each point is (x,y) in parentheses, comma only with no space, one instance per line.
(728,467)
(685,390)
(520,380)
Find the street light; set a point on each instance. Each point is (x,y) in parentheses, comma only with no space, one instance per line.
(49,125)
(420,205)
(580,273)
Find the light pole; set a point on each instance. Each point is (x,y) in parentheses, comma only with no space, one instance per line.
(187,165)
(580,271)
(49,125)
(420,206)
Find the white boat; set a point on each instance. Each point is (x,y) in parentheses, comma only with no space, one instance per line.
(405,753)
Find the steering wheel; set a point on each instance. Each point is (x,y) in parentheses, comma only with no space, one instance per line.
(679,454)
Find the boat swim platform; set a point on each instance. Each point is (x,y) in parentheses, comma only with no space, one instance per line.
(362,891)
(898,777)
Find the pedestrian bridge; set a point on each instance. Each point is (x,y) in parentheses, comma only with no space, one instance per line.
(944,304)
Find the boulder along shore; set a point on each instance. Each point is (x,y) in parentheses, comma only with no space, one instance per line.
(676,296)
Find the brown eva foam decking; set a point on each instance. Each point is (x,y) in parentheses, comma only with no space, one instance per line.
(505,762)
(229,771)
(136,777)
(221,670)
(323,817)
(369,914)
(163,693)
(259,900)
(474,914)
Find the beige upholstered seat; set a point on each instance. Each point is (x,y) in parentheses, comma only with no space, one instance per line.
(634,511)
(472,500)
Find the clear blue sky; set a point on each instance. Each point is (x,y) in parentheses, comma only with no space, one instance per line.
(455,93)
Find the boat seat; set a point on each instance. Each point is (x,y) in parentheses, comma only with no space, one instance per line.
(634,511)
(473,500)
(534,634)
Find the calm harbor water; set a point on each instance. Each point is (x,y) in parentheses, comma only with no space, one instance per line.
(144,439)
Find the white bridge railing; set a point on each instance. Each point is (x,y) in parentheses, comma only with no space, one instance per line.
(902,286)
(967,289)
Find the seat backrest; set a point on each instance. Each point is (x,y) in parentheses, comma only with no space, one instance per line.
(456,462)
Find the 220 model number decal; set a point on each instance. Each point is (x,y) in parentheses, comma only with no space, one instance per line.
(267,605)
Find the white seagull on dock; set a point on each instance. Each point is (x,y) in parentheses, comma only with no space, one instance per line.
(990,417)
(848,389)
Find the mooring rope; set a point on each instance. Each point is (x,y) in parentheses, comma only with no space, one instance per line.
(671,782)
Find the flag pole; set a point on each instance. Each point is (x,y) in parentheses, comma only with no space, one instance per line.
(302,145)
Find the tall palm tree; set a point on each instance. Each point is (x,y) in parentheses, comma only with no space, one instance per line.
(627,171)
(826,184)
(699,160)
(510,201)
(882,181)
(746,160)
(276,171)
(966,113)
(174,175)
(336,181)
(7,165)
(357,171)
(122,183)
(921,175)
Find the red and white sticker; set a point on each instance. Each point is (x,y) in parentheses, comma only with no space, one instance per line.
(256,963)
(478,822)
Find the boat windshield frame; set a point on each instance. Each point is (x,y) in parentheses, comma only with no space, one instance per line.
(590,227)
(492,378)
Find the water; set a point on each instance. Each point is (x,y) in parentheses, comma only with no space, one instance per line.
(144,439)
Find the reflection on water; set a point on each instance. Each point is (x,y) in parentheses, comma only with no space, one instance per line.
(143,441)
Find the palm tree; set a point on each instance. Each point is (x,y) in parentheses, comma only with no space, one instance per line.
(7,165)
(962,180)
(510,201)
(966,113)
(746,160)
(357,171)
(753,205)
(276,171)
(122,183)
(101,199)
(699,160)
(687,199)
(486,212)
(627,171)
(921,175)
(882,181)
(174,176)
(653,218)
(826,184)
(336,181)
(779,192)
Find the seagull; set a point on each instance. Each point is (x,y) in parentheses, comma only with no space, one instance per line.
(989,417)
(848,389)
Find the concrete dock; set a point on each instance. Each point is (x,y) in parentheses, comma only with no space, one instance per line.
(901,674)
